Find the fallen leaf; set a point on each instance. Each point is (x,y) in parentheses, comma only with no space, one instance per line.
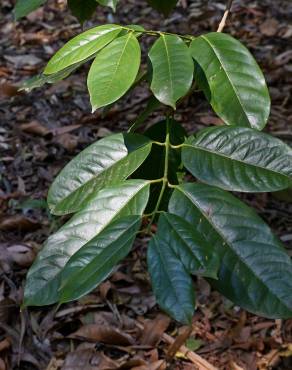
(269,27)
(67,141)
(88,359)
(18,223)
(34,127)
(105,334)
(153,330)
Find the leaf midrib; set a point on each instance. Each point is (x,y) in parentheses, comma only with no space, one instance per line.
(168,65)
(130,35)
(213,48)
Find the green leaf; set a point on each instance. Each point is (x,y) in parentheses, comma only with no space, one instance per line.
(239,159)
(171,283)
(111,3)
(255,271)
(94,262)
(81,9)
(82,47)
(41,79)
(172,69)
(163,6)
(43,279)
(24,7)
(106,162)
(114,70)
(237,87)
(193,250)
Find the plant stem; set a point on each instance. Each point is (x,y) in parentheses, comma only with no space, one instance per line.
(165,176)
(225,16)
(159,33)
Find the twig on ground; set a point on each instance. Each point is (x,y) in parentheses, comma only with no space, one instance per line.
(197,360)
(226,13)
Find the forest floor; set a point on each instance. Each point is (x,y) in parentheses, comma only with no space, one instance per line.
(118,326)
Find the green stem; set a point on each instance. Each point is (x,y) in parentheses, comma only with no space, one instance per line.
(164,178)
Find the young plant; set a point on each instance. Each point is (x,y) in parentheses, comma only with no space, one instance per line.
(126,178)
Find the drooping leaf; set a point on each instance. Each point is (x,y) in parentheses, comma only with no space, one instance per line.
(163,6)
(193,250)
(111,3)
(171,283)
(239,159)
(255,271)
(24,7)
(87,268)
(237,87)
(82,47)
(43,280)
(172,69)
(114,70)
(81,9)
(42,79)
(106,162)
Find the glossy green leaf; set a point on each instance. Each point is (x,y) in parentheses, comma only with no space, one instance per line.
(87,268)
(111,3)
(24,7)
(172,69)
(163,6)
(237,87)
(171,282)
(81,9)
(106,162)
(43,279)
(239,159)
(255,271)
(82,47)
(193,250)
(114,70)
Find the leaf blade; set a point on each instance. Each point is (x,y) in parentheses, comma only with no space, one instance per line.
(191,248)
(87,268)
(106,162)
(172,69)
(114,70)
(255,270)
(171,283)
(43,279)
(235,80)
(249,161)
(82,47)
(24,7)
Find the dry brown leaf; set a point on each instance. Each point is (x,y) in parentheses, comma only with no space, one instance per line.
(18,223)
(22,255)
(153,330)
(105,334)
(88,360)
(34,127)
(2,364)
(67,141)
(269,27)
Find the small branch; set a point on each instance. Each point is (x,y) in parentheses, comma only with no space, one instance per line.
(225,16)
(197,360)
